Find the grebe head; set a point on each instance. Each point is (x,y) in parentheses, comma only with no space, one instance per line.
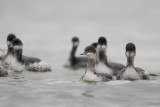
(130,50)
(17,44)
(75,41)
(10,38)
(102,44)
(90,52)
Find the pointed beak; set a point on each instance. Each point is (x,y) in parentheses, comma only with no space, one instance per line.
(84,53)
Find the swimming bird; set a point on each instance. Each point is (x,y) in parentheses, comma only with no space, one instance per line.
(10,52)
(90,73)
(130,72)
(76,62)
(103,66)
(30,63)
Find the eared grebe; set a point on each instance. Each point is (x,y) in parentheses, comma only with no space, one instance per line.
(31,64)
(90,73)
(10,52)
(103,66)
(76,62)
(3,72)
(130,72)
(94,44)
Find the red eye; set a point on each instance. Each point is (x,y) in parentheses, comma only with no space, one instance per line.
(90,51)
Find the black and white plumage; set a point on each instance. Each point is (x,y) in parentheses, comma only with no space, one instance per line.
(7,58)
(90,73)
(103,66)
(130,72)
(30,63)
(3,72)
(74,61)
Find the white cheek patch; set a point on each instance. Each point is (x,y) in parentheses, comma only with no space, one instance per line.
(18,47)
(76,43)
(130,55)
(127,54)
(102,47)
(9,43)
(98,47)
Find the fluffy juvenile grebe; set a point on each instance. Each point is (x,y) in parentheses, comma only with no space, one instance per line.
(90,73)
(130,72)
(103,66)
(31,64)
(76,62)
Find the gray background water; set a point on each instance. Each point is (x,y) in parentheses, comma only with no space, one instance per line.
(46,28)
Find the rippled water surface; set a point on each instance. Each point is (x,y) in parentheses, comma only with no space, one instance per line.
(46,28)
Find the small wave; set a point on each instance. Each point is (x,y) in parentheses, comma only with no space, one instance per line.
(156,82)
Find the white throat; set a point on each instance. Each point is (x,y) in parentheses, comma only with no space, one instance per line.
(75,43)
(18,47)
(91,55)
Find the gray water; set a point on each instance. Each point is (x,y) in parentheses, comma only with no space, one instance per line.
(46,28)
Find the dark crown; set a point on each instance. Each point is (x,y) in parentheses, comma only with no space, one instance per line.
(130,47)
(90,49)
(102,41)
(11,37)
(75,39)
(17,41)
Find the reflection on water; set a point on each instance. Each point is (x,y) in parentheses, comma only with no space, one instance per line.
(88,93)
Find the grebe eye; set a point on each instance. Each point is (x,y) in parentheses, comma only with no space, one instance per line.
(90,51)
